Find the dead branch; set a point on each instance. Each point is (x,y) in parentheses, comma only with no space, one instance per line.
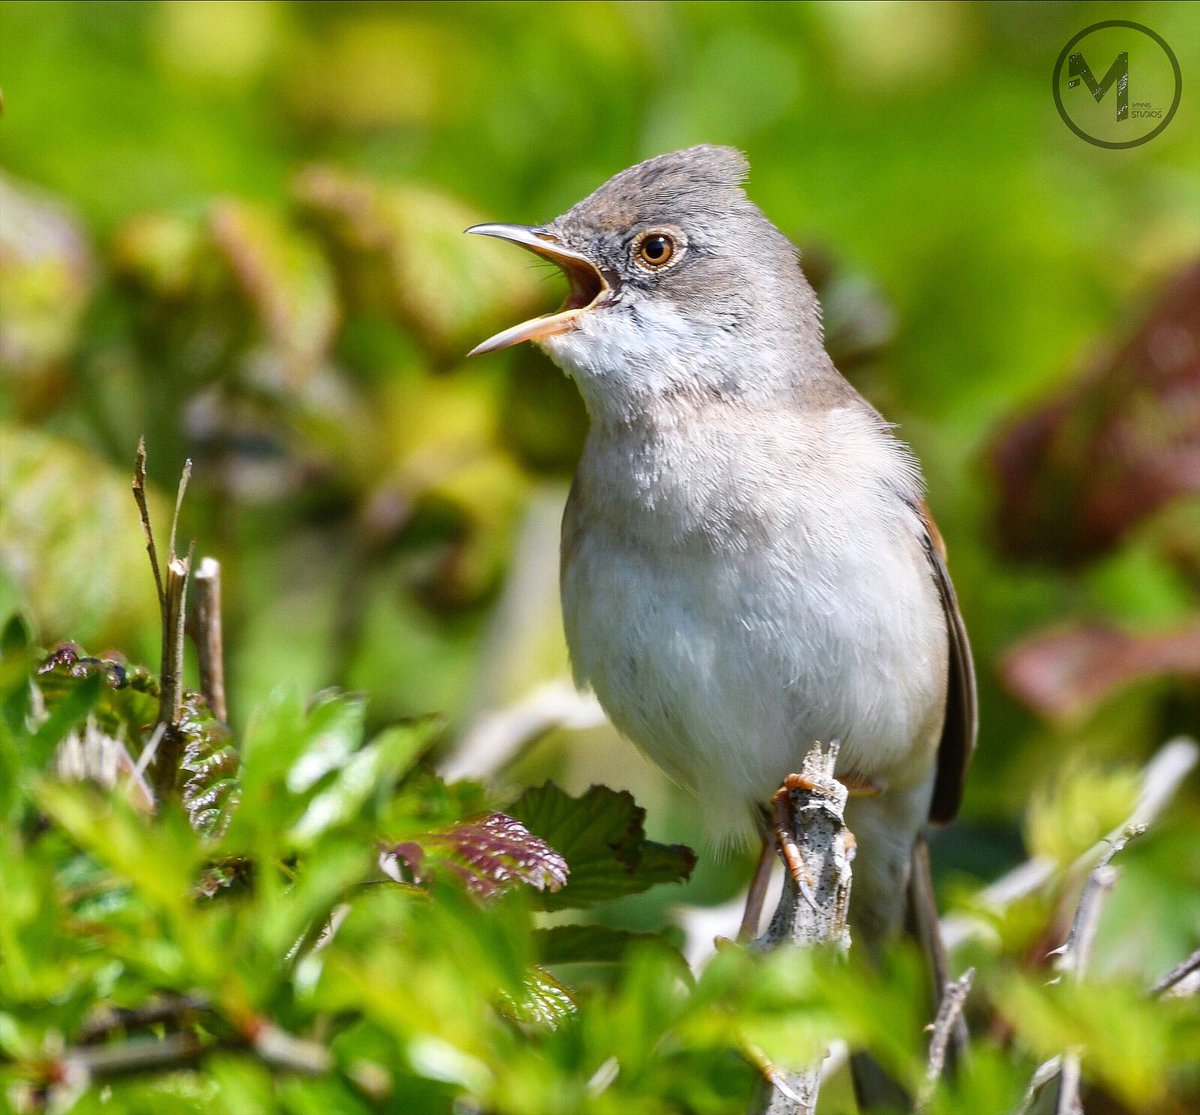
(817,849)
(496,738)
(1161,778)
(172,599)
(210,637)
(278,1050)
(165,766)
(1072,960)
(139,494)
(945,1025)
(169,1009)
(1183,971)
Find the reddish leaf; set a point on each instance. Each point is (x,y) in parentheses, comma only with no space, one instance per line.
(489,855)
(1121,442)
(1068,672)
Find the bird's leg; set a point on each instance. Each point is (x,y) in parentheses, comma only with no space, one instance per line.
(757,894)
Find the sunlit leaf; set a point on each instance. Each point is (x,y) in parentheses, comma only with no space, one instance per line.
(408,254)
(69,538)
(489,855)
(371,771)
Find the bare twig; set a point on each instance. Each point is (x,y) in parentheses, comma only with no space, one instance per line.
(1076,951)
(170,1009)
(1072,960)
(165,766)
(946,1023)
(172,599)
(1042,1075)
(180,492)
(1070,1078)
(1177,975)
(102,1062)
(1161,778)
(209,637)
(275,1048)
(139,494)
(496,738)
(280,1050)
(817,848)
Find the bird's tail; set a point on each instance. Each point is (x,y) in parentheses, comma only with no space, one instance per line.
(875,1089)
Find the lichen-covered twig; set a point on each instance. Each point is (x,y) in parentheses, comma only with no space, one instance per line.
(812,910)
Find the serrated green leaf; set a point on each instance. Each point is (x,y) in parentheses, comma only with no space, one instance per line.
(157,858)
(286,753)
(210,765)
(602,838)
(547,1001)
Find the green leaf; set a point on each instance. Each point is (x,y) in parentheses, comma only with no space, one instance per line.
(70,542)
(590,944)
(156,858)
(1130,1042)
(602,838)
(66,715)
(210,760)
(286,754)
(547,1001)
(15,635)
(372,771)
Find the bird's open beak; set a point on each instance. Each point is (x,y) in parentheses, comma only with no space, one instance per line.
(588,286)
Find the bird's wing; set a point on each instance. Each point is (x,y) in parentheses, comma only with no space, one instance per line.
(962,719)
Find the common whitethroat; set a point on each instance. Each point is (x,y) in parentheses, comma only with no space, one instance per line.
(748,563)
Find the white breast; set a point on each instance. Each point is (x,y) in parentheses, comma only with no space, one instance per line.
(735,588)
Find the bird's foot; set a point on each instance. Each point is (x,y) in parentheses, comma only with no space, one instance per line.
(789,850)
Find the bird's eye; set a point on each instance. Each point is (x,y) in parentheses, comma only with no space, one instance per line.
(655,249)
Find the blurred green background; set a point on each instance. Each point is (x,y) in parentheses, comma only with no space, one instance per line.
(236,228)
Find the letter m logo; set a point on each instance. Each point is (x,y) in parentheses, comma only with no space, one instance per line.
(1118,72)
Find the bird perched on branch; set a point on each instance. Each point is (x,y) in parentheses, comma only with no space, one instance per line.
(748,563)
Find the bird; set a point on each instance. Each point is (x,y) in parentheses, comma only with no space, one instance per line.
(748,563)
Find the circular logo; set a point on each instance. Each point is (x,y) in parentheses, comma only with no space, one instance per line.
(1117,84)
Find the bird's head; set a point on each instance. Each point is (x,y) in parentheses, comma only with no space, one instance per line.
(678,283)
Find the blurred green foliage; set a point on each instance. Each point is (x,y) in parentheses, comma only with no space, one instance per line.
(235,228)
(344,931)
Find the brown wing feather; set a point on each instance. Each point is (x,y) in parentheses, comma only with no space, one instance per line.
(962,719)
